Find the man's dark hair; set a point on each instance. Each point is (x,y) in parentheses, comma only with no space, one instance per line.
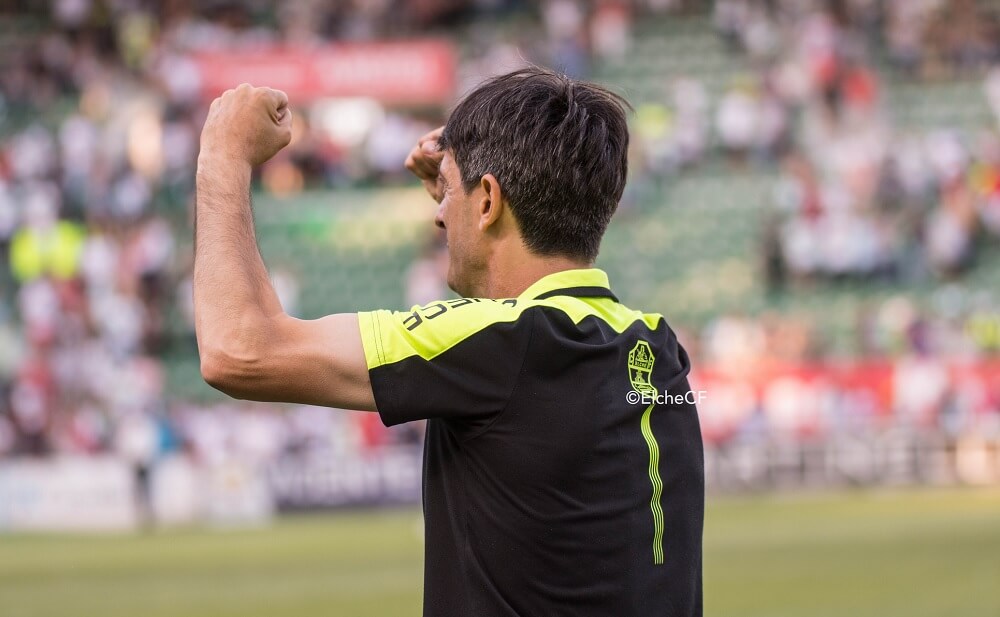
(557,146)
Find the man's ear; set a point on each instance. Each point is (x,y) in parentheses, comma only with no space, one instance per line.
(491,205)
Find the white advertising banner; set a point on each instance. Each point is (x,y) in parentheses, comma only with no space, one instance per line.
(67,494)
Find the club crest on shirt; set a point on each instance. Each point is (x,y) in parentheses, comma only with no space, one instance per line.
(640,368)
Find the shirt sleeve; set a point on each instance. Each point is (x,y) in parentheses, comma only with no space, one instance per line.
(455,359)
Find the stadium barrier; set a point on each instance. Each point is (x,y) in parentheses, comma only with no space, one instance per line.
(104,494)
(894,458)
(109,494)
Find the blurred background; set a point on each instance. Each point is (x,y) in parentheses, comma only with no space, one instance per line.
(813,203)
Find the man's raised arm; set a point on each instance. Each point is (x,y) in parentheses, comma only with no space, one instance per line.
(249,347)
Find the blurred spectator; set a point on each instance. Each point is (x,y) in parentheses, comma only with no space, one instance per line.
(610,29)
(565,25)
(736,120)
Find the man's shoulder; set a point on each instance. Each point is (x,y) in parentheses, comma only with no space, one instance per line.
(609,312)
(458,315)
(431,329)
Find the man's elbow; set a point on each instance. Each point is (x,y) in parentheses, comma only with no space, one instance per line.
(235,354)
(233,368)
(216,370)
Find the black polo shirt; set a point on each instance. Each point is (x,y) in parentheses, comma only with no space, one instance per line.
(563,469)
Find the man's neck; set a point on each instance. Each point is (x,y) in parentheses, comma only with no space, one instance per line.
(511,274)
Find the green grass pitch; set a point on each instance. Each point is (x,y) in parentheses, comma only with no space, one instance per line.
(909,554)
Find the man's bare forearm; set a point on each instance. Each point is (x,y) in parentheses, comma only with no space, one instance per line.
(232,291)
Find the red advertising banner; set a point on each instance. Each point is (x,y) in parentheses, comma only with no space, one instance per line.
(403,73)
(810,400)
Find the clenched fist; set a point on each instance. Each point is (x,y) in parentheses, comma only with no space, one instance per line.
(247,124)
(425,161)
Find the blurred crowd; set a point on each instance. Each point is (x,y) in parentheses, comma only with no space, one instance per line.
(859,200)
(101,106)
(857,197)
